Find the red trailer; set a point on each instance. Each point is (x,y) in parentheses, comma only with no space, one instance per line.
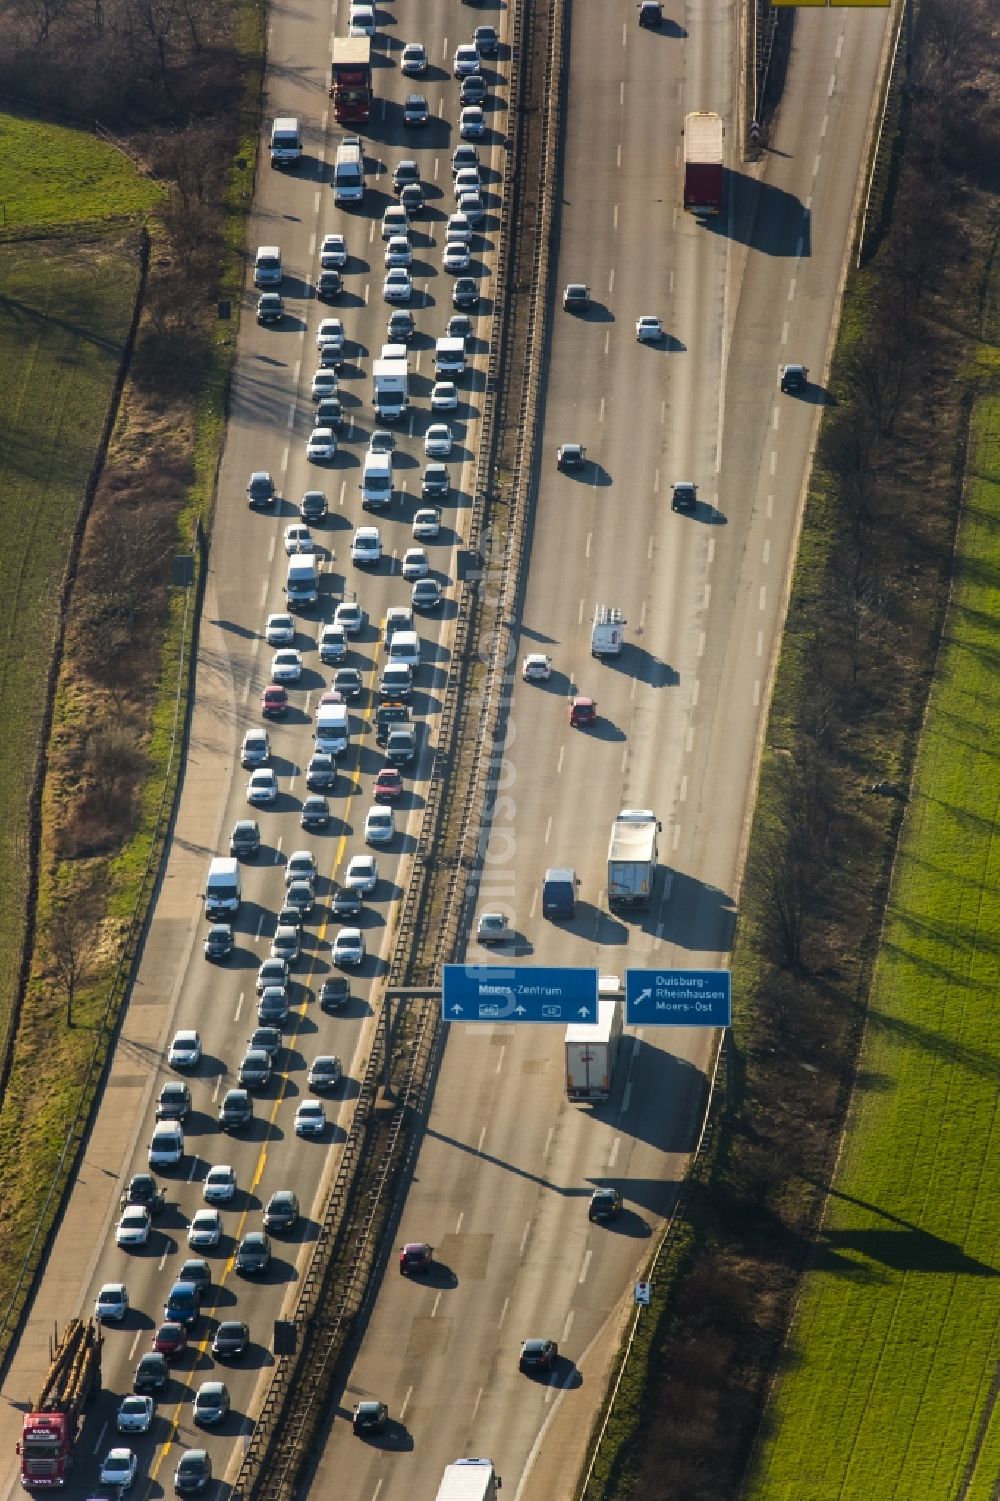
(351,79)
(703,167)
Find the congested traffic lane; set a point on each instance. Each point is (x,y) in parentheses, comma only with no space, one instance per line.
(271,418)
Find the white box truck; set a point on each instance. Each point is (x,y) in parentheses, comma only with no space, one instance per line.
(222,888)
(389,389)
(302,582)
(591,1051)
(632,858)
(286,142)
(333,730)
(449,357)
(469,1480)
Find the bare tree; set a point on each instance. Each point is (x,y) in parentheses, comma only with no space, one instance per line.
(71,945)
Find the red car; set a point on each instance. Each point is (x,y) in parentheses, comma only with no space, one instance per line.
(274,701)
(388,785)
(582,712)
(170,1340)
(415,1257)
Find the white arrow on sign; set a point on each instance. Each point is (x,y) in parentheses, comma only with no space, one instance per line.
(643,995)
(584,1011)
(456,1009)
(520,1011)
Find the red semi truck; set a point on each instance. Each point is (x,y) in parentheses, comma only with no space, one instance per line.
(703,167)
(351,79)
(49,1431)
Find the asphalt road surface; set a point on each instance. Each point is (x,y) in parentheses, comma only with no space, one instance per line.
(507,1165)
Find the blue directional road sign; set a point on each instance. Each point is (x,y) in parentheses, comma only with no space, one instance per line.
(678,998)
(518,993)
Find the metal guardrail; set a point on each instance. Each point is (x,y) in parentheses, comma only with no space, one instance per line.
(881,155)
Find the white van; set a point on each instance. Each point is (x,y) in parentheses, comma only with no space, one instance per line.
(333,731)
(302,581)
(286,142)
(167,1146)
(376,481)
(222,889)
(405,647)
(449,357)
(267,270)
(349,171)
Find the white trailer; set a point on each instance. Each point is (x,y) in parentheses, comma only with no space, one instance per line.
(591,1051)
(632,858)
(469,1480)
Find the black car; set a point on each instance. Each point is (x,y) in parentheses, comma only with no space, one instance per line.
(253,1254)
(197,1271)
(152,1373)
(268,1038)
(236,1110)
(329,412)
(313,506)
(415,110)
(435,483)
(272,1008)
(684,496)
(369,1417)
(244,841)
(404,172)
(260,490)
(219,941)
(473,90)
(315,812)
(290,917)
(346,903)
(605,1204)
(301,895)
(538,1355)
(651,13)
(794,378)
(321,773)
(334,992)
(325,1073)
(570,455)
(282,1211)
(329,285)
(270,307)
(576,297)
(142,1189)
(401,326)
(230,1340)
(348,681)
(255,1069)
(465,293)
(487,41)
(193,1472)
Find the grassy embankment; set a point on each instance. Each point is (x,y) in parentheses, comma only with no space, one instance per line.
(893,1355)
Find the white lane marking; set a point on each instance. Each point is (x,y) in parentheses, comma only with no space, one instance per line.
(816,161)
(682,795)
(677,835)
(263,595)
(100,1437)
(701,644)
(503,1313)
(218,1086)
(708,595)
(584,1269)
(290,423)
(631,692)
(624,35)
(406,1402)
(656,482)
(625,759)
(503,1049)
(524,1237)
(775,419)
(534,904)
(760,643)
(784,332)
(600,413)
(791,286)
(458,1222)
(590,538)
(135,1344)
(375,1492)
(832,85)
(689,739)
(756,694)
(774,461)
(766,551)
(548,828)
(769,508)
(194,1169)
(822,126)
(607,342)
(270,550)
(618,161)
(642,615)
(579,618)
(548,1142)
(567,1327)
(437,1301)
(711,550)
(626,1097)
(559,760)
(621,92)
(163,1258)
(763,595)
(611,281)
(482,1138)
(649,546)
(613,1154)
(475,1405)
(840,46)
(614,217)
(437,163)
(695,692)
(312,244)
(246,691)
(239,1006)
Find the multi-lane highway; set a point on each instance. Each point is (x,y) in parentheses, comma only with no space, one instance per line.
(506,1168)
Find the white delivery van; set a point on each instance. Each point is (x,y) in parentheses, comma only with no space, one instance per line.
(267,270)
(390,396)
(349,171)
(404,646)
(167,1146)
(376,481)
(222,888)
(286,142)
(607,637)
(333,731)
(302,583)
(449,357)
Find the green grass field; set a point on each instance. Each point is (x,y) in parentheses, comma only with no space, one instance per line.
(53,178)
(892,1358)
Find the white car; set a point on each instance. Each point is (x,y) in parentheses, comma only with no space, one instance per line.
(398,251)
(205,1229)
(458,229)
(135,1414)
(472,123)
(330,334)
(256,748)
(397,286)
(310,1118)
(380,826)
(362,873)
(279,630)
(220,1185)
(413,60)
(286,665)
(366,548)
(262,786)
(332,644)
(437,440)
(648,330)
(466,59)
(133,1227)
(361,20)
(322,444)
(536,668)
(349,616)
(348,947)
(464,155)
(467,181)
(300,866)
(333,253)
(444,396)
(427,524)
(119,1468)
(185,1050)
(324,383)
(111,1304)
(415,564)
(456,256)
(394,221)
(298,538)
